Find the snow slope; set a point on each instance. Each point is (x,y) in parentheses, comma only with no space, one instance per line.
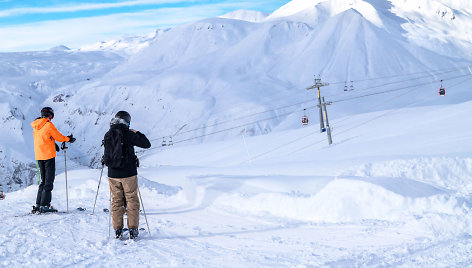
(405,203)
(442,26)
(27,80)
(195,75)
(245,184)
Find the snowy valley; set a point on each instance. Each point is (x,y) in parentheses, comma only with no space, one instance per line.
(244,183)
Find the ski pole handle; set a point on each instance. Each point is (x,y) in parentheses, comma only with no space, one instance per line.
(64,146)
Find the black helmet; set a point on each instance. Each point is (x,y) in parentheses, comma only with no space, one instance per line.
(47,112)
(124,115)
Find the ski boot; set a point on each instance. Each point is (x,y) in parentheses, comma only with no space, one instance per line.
(133,233)
(47,209)
(118,233)
(35,209)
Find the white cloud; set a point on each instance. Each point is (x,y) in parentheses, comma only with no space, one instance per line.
(78,32)
(82,7)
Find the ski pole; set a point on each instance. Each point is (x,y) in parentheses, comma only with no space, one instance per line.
(64,148)
(100,180)
(109,218)
(149,230)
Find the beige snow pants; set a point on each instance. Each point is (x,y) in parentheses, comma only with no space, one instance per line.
(130,188)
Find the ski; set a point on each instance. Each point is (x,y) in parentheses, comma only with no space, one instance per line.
(38,213)
(126,238)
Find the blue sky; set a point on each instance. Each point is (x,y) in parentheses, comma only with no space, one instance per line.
(27,25)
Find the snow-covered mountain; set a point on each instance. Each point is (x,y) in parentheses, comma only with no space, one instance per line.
(124,46)
(442,26)
(246,15)
(245,183)
(218,69)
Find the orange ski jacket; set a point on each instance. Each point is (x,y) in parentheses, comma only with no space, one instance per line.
(45,133)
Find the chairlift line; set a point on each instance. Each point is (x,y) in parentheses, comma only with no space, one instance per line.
(396,89)
(351,88)
(399,75)
(304,102)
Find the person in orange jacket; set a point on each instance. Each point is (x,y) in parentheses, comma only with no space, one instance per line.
(45,134)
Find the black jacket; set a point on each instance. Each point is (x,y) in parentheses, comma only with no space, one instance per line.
(131,139)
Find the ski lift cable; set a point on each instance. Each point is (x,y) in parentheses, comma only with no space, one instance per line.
(388,91)
(236,119)
(396,89)
(400,75)
(305,136)
(235,127)
(379,104)
(392,83)
(376,117)
(341,132)
(291,105)
(228,129)
(297,104)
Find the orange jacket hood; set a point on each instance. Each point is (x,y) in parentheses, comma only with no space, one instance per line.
(39,123)
(45,134)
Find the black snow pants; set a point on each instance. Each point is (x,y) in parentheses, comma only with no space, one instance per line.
(47,168)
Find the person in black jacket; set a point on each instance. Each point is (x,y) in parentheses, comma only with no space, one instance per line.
(123,178)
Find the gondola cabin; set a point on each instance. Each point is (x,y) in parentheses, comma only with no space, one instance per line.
(305,120)
(2,195)
(442,91)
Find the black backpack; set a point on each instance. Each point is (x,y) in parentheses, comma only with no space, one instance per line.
(114,143)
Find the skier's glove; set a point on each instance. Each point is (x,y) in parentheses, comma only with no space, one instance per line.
(57,147)
(71,138)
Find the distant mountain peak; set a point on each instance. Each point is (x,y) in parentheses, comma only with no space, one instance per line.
(59,48)
(312,10)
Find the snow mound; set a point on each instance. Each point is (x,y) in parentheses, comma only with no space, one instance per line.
(348,199)
(158,187)
(452,173)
